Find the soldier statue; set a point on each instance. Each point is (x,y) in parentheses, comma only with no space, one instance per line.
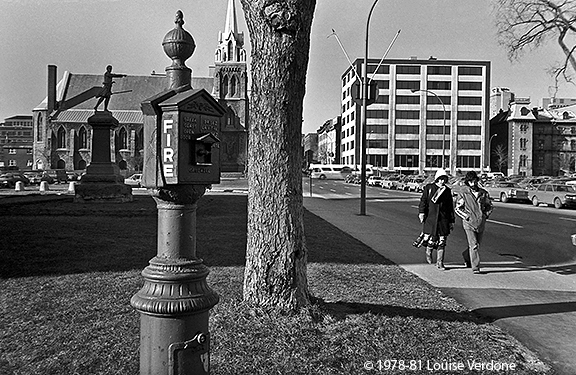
(106,91)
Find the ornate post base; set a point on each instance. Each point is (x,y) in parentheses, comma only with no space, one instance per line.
(175,300)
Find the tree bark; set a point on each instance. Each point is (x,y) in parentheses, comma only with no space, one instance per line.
(276,255)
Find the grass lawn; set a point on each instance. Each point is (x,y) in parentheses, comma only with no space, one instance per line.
(68,272)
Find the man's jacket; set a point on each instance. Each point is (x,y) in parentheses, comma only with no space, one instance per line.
(474,210)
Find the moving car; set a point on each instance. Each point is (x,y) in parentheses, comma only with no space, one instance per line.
(507,191)
(560,195)
(134,180)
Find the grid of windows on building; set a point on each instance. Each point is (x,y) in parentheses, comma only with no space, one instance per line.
(469,100)
(469,130)
(469,115)
(437,144)
(408,69)
(469,145)
(435,161)
(378,160)
(466,161)
(469,86)
(470,71)
(407,143)
(406,161)
(377,113)
(382,69)
(407,99)
(407,115)
(407,129)
(439,70)
(377,143)
(431,129)
(407,85)
(438,115)
(376,129)
(439,85)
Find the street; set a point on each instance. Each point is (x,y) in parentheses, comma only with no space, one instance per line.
(516,232)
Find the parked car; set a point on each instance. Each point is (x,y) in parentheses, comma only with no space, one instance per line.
(389,182)
(560,195)
(9,180)
(507,191)
(35,177)
(374,180)
(402,183)
(57,175)
(414,183)
(532,182)
(72,176)
(134,180)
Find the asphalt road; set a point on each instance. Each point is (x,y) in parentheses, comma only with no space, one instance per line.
(534,236)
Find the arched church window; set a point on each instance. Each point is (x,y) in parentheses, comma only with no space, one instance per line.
(224,87)
(61,137)
(123,138)
(233,86)
(230,51)
(39,127)
(82,138)
(139,141)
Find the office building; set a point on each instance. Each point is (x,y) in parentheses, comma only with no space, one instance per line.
(422,105)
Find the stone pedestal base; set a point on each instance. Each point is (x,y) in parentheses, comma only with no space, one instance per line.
(103,192)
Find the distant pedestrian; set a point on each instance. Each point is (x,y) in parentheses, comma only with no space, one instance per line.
(474,206)
(436,213)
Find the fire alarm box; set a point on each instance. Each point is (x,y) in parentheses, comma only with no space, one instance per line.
(181,139)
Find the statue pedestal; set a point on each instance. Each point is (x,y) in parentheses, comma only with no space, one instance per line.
(102,181)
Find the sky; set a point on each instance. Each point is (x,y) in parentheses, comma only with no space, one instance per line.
(83,36)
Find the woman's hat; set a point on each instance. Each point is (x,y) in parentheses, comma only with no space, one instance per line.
(440,173)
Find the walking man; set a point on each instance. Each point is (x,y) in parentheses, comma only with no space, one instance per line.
(474,206)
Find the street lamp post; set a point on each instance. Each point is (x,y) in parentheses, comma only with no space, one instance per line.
(443,124)
(490,150)
(364,114)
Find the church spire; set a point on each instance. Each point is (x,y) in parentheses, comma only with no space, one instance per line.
(230,42)
(231,22)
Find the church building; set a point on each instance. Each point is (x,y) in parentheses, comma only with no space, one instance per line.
(63,138)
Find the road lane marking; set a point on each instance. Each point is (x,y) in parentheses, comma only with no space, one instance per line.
(503,223)
(347,193)
(332,190)
(567,218)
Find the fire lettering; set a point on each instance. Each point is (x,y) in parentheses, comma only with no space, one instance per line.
(168,151)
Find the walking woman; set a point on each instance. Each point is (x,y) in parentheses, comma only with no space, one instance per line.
(436,213)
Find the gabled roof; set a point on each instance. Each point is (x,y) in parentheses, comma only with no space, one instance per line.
(124,106)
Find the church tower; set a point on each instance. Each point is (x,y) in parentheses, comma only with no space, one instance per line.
(231,90)
(230,59)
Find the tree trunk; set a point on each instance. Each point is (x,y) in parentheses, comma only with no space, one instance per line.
(275,275)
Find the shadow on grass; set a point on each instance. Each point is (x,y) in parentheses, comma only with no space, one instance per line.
(62,237)
(340,310)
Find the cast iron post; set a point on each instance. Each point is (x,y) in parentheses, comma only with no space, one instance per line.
(175,300)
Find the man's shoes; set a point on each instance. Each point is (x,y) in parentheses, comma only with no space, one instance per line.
(441,266)
(476,272)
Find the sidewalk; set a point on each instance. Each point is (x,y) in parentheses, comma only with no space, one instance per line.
(538,307)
